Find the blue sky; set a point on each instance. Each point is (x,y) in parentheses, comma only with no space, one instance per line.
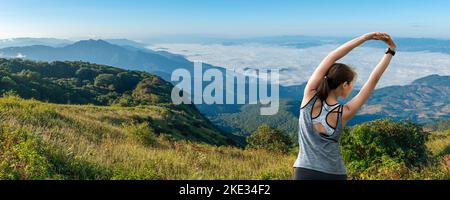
(139,19)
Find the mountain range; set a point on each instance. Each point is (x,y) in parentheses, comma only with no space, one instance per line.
(21,42)
(423,101)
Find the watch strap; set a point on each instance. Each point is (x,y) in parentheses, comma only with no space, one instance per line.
(390,51)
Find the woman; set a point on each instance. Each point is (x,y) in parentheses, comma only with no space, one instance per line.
(322,119)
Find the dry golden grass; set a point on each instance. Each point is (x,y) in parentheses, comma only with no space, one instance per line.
(92,142)
(98,136)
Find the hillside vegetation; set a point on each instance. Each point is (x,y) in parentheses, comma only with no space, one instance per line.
(86,83)
(81,83)
(77,120)
(385,149)
(49,141)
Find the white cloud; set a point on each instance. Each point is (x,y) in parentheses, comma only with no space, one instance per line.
(7,40)
(300,63)
(20,55)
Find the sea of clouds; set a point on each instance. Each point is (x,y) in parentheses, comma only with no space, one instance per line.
(297,64)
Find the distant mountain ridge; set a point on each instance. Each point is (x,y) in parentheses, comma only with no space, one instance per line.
(419,44)
(423,100)
(56,42)
(102,52)
(26,41)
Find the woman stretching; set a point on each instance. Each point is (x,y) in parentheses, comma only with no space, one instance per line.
(322,119)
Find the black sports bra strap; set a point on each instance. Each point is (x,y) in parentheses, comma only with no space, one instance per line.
(311,100)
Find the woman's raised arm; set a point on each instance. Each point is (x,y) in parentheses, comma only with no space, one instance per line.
(355,104)
(335,55)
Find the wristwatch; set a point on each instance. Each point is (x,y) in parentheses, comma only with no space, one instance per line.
(390,51)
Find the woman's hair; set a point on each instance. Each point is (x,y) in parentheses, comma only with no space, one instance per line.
(337,74)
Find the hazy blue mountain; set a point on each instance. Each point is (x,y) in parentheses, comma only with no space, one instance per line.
(126,42)
(285,40)
(21,42)
(102,52)
(418,44)
(404,44)
(423,100)
(55,42)
(300,41)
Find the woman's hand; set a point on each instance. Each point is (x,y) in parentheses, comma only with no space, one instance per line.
(373,36)
(381,36)
(389,41)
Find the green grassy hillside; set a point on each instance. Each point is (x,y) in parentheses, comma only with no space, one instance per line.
(50,141)
(85,83)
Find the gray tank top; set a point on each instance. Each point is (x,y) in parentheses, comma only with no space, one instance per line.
(320,151)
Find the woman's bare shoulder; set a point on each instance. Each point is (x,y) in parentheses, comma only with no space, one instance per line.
(307,97)
(346,116)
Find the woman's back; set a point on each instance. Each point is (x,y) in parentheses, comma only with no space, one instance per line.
(324,116)
(319,150)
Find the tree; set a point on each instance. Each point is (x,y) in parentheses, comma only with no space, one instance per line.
(128,81)
(86,74)
(268,138)
(31,75)
(8,81)
(152,90)
(106,80)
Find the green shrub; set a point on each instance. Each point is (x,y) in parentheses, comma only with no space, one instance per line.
(142,133)
(269,139)
(384,147)
(22,156)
